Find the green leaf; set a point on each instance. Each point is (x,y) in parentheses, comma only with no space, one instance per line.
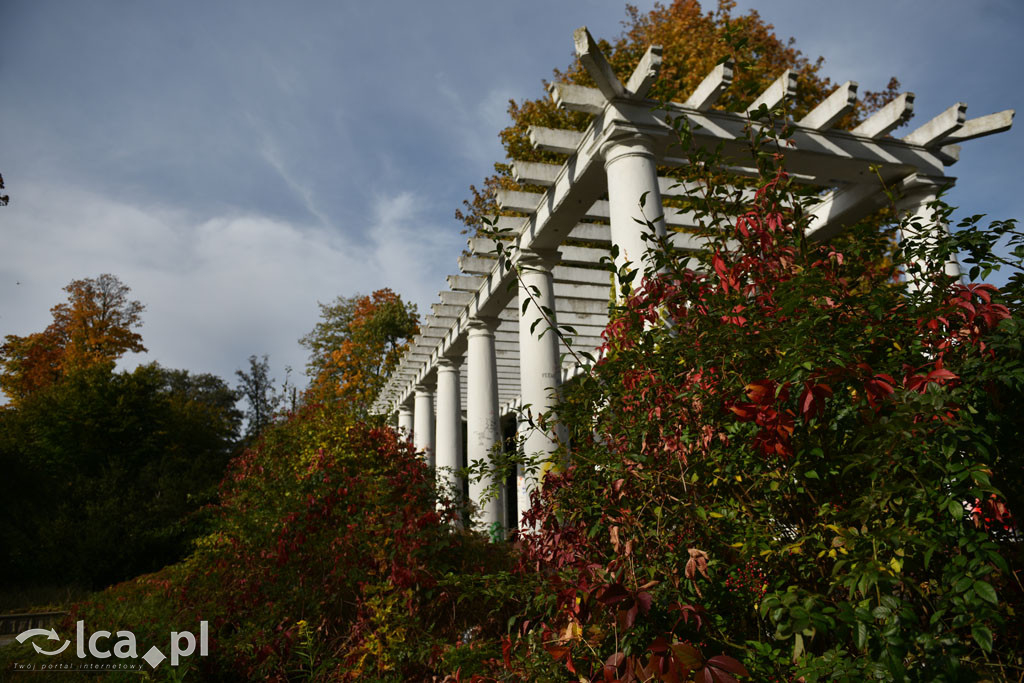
(983,637)
(861,635)
(986,591)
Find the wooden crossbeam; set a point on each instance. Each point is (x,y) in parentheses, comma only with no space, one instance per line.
(597,66)
(555,139)
(645,73)
(784,87)
(475,265)
(455,298)
(939,127)
(585,323)
(889,117)
(589,276)
(834,107)
(529,202)
(545,175)
(712,87)
(821,156)
(981,126)
(535,173)
(464,283)
(577,97)
(842,207)
(516,200)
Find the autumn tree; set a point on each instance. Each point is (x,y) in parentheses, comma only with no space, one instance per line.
(94,326)
(356,345)
(693,42)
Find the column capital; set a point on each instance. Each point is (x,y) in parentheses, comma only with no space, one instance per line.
(538,259)
(482,325)
(626,142)
(916,191)
(423,388)
(404,409)
(448,363)
(920,181)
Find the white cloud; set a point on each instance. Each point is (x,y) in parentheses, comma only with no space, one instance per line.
(216,290)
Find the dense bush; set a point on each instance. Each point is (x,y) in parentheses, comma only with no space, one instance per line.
(787,465)
(329,562)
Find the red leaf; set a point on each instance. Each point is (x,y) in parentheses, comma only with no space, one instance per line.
(687,656)
(746,412)
(812,400)
(761,392)
(611,594)
(729,664)
(557,651)
(659,644)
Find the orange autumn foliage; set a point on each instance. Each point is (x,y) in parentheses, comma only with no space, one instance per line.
(94,326)
(356,347)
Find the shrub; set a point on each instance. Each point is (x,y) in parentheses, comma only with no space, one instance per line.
(786,465)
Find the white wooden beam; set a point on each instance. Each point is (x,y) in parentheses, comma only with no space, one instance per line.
(455,298)
(464,283)
(889,117)
(784,87)
(981,126)
(589,276)
(842,208)
(834,107)
(645,73)
(529,202)
(939,127)
(596,65)
(535,173)
(574,97)
(555,139)
(712,87)
(475,265)
(516,200)
(544,174)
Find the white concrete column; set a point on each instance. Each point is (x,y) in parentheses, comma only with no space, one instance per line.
(632,172)
(919,193)
(448,442)
(526,482)
(405,424)
(539,368)
(484,430)
(423,429)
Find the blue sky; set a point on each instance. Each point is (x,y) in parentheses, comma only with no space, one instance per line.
(236,162)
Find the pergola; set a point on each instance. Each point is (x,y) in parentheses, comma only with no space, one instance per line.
(480,354)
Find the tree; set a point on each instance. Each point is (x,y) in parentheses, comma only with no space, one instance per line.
(93,327)
(694,42)
(105,472)
(356,345)
(257,388)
